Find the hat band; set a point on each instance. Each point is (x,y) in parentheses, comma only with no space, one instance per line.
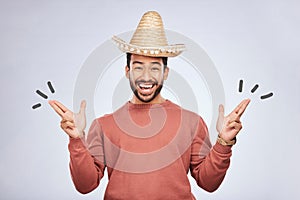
(151,51)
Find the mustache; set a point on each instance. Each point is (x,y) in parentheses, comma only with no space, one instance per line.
(146,82)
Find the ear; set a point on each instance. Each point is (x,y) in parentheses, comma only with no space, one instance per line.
(127,69)
(166,72)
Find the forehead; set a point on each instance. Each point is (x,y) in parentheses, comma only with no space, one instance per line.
(145,59)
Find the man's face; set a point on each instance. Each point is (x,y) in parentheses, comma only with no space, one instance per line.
(146,76)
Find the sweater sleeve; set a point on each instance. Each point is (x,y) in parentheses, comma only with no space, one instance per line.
(86,160)
(208,164)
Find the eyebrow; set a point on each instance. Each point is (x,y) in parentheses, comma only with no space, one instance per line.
(139,62)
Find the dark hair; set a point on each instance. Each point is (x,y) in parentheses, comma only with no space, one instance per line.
(164,59)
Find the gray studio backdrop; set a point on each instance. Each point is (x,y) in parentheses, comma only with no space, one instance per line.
(256,41)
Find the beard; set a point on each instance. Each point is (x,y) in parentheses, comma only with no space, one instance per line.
(134,89)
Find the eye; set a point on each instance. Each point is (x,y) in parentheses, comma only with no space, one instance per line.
(138,68)
(155,69)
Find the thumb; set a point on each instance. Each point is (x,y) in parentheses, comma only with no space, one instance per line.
(82,107)
(220,120)
(221,110)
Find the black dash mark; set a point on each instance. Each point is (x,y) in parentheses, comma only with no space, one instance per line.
(42,94)
(50,87)
(241,86)
(267,95)
(36,106)
(254,88)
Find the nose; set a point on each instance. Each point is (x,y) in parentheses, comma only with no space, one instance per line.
(146,75)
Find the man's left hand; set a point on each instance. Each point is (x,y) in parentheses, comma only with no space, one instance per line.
(229,126)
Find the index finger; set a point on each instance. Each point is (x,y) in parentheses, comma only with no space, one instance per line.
(240,109)
(59,108)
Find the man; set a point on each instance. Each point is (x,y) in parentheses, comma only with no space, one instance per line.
(149,145)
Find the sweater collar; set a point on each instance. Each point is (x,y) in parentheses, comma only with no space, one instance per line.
(148,105)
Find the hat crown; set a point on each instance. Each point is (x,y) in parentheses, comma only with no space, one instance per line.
(150,31)
(149,39)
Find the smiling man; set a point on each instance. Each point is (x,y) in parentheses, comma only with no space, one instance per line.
(149,145)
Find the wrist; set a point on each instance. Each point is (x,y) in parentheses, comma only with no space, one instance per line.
(80,134)
(224,142)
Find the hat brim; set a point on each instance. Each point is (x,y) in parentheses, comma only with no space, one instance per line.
(162,51)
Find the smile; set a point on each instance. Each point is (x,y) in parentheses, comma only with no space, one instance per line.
(144,86)
(146,89)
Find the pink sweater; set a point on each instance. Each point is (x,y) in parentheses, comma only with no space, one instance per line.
(148,150)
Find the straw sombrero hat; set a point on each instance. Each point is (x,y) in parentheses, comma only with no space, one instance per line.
(149,39)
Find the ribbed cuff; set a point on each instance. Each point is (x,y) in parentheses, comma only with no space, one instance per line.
(76,145)
(222,148)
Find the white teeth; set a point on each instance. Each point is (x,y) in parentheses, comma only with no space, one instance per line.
(146,86)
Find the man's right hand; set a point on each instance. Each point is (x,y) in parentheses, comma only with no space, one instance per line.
(72,123)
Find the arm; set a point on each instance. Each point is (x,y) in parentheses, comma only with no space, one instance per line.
(85,166)
(209,166)
(86,157)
